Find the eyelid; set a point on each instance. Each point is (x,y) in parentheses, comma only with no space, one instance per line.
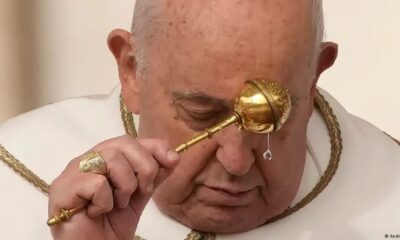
(200,115)
(197,110)
(197,119)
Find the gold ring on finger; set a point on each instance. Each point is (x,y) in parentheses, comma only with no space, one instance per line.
(93,162)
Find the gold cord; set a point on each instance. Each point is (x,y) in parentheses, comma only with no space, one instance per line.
(127,118)
(23,171)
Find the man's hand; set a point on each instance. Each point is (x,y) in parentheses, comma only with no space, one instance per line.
(116,200)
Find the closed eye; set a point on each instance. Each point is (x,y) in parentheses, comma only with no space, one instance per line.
(199,119)
(201,114)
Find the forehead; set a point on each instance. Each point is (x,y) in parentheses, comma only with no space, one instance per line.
(223,41)
(223,13)
(224,24)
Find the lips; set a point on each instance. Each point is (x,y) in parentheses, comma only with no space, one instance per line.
(230,197)
(230,191)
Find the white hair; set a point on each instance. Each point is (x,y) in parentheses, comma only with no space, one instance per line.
(145,16)
(148,12)
(318,22)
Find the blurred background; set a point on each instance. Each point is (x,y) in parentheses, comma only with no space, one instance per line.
(52,49)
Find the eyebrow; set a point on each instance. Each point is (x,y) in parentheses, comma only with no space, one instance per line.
(201,97)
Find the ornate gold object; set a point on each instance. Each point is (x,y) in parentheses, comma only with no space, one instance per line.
(93,162)
(261,107)
(321,104)
(63,215)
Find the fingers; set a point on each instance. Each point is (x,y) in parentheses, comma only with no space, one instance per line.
(161,151)
(66,193)
(145,157)
(132,167)
(97,190)
(157,148)
(121,176)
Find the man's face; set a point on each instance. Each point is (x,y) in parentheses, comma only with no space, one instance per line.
(199,58)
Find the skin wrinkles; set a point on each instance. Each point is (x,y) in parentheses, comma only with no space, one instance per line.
(202,97)
(199,109)
(210,51)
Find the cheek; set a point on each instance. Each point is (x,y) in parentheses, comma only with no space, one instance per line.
(192,163)
(180,185)
(284,172)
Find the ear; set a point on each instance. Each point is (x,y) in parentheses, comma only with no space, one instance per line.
(326,58)
(121,44)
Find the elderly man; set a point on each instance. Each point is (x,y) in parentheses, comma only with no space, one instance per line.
(327,174)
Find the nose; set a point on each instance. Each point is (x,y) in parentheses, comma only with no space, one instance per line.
(236,150)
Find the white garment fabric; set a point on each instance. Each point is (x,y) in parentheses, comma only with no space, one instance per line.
(361,201)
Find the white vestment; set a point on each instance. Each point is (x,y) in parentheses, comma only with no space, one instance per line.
(361,201)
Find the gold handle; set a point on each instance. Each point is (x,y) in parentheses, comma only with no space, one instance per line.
(63,215)
(208,133)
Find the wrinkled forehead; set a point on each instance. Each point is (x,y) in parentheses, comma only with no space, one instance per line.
(226,23)
(215,45)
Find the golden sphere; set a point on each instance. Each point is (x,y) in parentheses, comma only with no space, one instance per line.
(263,106)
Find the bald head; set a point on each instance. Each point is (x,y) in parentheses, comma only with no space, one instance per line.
(149,16)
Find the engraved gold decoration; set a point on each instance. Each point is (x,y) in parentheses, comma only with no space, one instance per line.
(93,162)
(261,107)
(321,104)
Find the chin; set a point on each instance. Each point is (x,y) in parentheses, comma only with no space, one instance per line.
(220,219)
